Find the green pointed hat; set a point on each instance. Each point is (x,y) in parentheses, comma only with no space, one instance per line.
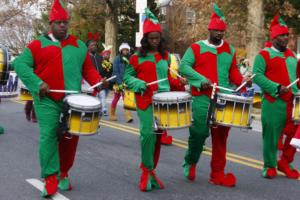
(217,21)
(151,23)
(278,27)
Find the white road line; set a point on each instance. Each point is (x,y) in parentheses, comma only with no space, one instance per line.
(39,185)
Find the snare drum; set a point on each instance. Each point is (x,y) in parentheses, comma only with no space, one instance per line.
(129,100)
(296,108)
(257,96)
(24,94)
(4,65)
(233,111)
(84,114)
(172,110)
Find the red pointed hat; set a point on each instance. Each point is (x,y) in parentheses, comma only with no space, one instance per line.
(151,23)
(58,11)
(278,27)
(217,20)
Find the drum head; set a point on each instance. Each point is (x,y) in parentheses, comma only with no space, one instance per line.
(232,97)
(83,101)
(171,96)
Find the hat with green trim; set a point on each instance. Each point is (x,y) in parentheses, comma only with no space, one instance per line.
(151,23)
(278,27)
(217,20)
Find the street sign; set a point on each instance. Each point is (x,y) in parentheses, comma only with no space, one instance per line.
(140,6)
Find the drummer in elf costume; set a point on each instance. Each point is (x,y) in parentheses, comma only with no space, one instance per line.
(58,61)
(206,62)
(148,65)
(275,69)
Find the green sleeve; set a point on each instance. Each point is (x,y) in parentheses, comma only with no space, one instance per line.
(261,80)
(131,81)
(23,66)
(186,68)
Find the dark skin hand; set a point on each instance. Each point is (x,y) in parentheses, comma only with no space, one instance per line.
(283,89)
(206,85)
(44,89)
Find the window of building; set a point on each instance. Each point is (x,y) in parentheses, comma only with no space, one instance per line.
(190,16)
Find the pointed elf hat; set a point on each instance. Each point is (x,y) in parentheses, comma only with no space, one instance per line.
(58,12)
(151,23)
(278,27)
(217,19)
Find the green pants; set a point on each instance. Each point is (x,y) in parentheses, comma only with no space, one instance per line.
(150,142)
(48,113)
(275,116)
(199,131)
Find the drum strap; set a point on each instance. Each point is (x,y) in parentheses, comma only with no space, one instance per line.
(63,124)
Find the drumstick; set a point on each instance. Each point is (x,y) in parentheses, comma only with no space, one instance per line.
(223,88)
(64,91)
(175,73)
(243,84)
(154,82)
(101,82)
(293,83)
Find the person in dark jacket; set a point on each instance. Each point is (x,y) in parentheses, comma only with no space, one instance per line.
(119,65)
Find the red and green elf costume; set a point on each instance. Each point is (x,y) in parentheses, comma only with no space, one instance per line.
(203,61)
(142,70)
(62,65)
(273,69)
(295,142)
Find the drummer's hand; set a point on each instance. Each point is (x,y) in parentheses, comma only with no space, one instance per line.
(248,80)
(183,81)
(44,89)
(141,85)
(105,84)
(283,89)
(206,85)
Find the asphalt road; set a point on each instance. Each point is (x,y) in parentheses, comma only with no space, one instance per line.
(107,165)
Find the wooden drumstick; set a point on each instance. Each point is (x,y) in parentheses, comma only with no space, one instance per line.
(243,84)
(154,82)
(101,82)
(173,71)
(223,88)
(65,91)
(293,83)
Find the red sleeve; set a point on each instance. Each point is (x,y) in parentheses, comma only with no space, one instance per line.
(175,84)
(234,73)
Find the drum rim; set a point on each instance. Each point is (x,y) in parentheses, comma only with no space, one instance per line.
(233,125)
(231,97)
(186,98)
(72,105)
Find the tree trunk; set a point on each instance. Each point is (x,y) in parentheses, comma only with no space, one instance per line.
(255,35)
(111,28)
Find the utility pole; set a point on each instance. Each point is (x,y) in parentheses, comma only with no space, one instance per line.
(140,9)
